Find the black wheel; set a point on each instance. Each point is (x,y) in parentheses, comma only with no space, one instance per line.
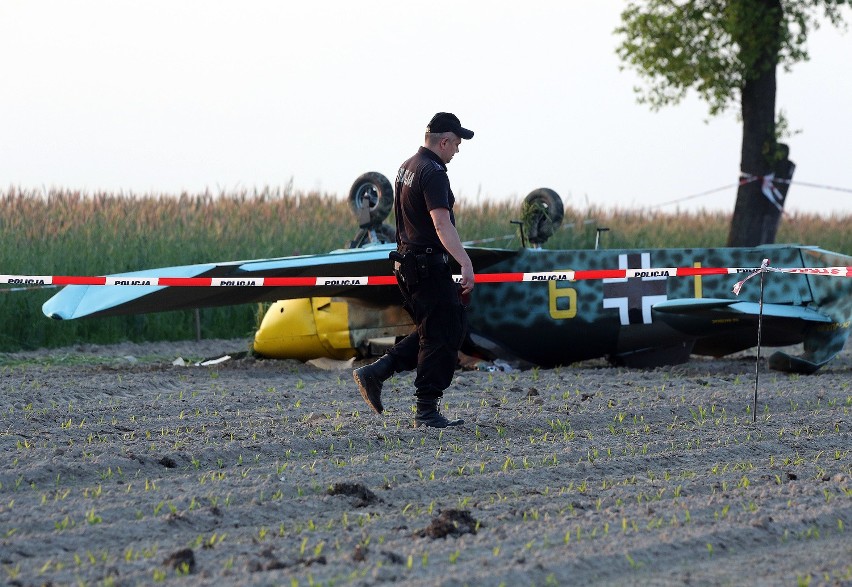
(371,199)
(542,214)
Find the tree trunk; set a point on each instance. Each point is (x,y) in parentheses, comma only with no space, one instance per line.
(756,218)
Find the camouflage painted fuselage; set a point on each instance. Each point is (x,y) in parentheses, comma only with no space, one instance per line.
(559,322)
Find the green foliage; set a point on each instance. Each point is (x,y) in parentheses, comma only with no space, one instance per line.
(715,46)
(66,233)
(678,47)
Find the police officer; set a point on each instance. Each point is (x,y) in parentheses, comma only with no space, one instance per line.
(426,240)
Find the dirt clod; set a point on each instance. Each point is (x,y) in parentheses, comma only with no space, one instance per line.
(450,523)
(362,496)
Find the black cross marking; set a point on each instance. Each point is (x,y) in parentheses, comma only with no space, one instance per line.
(634,297)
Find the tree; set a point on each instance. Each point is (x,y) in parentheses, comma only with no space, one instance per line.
(728,51)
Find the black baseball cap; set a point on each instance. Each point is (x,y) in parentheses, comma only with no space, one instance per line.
(447,122)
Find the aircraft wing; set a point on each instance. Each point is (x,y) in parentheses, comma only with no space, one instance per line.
(78,301)
(723,326)
(721,309)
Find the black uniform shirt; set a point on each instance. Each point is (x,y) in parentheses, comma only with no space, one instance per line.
(422,185)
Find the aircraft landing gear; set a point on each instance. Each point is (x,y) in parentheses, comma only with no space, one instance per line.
(371,200)
(541,214)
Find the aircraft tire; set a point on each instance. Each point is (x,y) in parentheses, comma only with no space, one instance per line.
(542,214)
(371,191)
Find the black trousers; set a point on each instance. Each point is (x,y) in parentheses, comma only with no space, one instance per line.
(441,321)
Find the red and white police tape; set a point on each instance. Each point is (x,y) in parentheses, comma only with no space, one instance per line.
(41,280)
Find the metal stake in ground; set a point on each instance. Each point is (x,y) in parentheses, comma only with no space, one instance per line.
(764,268)
(757,361)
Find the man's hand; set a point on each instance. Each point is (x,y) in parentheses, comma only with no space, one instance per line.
(467,279)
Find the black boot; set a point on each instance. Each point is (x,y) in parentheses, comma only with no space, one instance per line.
(429,414)
(370,378)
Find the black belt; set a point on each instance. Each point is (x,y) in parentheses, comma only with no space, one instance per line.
(421,250)
(433,256)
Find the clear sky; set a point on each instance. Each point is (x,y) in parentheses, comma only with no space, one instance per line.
(164,96)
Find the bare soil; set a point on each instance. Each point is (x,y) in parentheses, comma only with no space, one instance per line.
(121,468)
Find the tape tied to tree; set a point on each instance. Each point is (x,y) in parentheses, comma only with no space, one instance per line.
(767,186)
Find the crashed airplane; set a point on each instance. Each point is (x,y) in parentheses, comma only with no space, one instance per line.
(651,318)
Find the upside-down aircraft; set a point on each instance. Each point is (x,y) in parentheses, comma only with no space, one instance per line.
(650,318)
